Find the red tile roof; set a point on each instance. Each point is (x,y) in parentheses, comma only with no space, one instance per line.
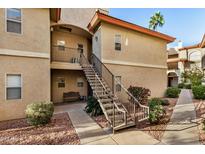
(98,17)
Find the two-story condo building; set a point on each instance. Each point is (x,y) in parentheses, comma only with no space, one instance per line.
(45,53)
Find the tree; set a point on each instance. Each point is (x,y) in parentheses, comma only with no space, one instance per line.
(156,20)
(194,75)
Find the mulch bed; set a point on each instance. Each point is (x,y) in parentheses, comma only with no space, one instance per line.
(59,131)
(200,114)
(101,121)
(157,130)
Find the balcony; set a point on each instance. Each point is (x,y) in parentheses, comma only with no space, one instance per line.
(65,58)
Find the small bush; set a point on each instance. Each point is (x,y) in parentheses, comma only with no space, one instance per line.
(165,102)
(93,107)
(156,110)
(39,113)
(187,86)
(173,92)
(199,92)
(140,93)
(181,85)
(154,101)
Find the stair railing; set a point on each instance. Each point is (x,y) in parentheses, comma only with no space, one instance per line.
(116,109)
(137,111)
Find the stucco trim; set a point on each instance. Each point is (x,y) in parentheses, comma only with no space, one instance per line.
(115,62)
(9,52)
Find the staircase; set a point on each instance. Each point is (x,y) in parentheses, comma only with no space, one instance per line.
(121,109)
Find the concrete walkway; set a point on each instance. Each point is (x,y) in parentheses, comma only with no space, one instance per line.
(182,128)
(90,132)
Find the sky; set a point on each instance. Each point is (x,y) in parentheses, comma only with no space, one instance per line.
(187,25)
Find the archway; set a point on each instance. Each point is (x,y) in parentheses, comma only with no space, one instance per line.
(172,79)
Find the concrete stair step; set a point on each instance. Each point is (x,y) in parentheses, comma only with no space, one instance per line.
(105,100)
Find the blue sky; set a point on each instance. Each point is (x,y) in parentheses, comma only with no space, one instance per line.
(187,25)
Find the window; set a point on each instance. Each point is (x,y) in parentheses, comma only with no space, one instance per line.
(61,45)
(61,82)
(80,82)
(80,48)
(118,86)
(118,42)
(13,20)
(13,87)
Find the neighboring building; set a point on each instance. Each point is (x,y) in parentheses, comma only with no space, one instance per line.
(136,55)
(40,55)
(173,68)
(184,58)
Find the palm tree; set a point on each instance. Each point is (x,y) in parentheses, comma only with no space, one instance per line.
(156,20)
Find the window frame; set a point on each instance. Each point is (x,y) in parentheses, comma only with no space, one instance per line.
(80,80)
(79,48)
(119,43)
(60,78)
(21,22)
(6,74)
(61,47)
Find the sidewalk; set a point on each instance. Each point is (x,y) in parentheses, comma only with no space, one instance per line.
(182,128)
(90,132)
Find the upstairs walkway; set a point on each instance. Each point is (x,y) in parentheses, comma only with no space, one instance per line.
(182,128)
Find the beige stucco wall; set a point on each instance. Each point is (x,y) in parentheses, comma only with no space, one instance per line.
(35,74)
(35,32)
(79,16)
(97,43)
(151,78)
(141,62)
(70,77)
(140,48)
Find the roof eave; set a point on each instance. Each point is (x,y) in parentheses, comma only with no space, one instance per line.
(102,17)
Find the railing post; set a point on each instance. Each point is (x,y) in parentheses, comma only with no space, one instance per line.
(113,122)
(113,84)
(134,111)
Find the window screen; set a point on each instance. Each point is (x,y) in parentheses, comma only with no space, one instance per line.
(13,87)
(13,20)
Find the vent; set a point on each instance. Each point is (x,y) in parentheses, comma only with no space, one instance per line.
(65,28)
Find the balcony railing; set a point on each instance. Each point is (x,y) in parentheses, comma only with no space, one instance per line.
(65,54)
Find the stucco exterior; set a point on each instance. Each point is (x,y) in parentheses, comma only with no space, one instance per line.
(35,74)
(27,54)
(79,17)
(35,35)
(71,77)
(141,61)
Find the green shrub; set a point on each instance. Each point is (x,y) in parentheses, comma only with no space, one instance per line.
(198,92)
(187,86)
(93,107)
(156,110)
(173,92)
(39,113)
(154,101)
(194,75)
(165,102)
(140,93)
(181,85)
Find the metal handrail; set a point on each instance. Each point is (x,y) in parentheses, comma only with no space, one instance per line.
(103,85)
(131,95)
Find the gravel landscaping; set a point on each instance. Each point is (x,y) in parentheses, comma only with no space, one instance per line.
(154,130)
(200,114)
(101,121)
(157,130)
(59,131)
